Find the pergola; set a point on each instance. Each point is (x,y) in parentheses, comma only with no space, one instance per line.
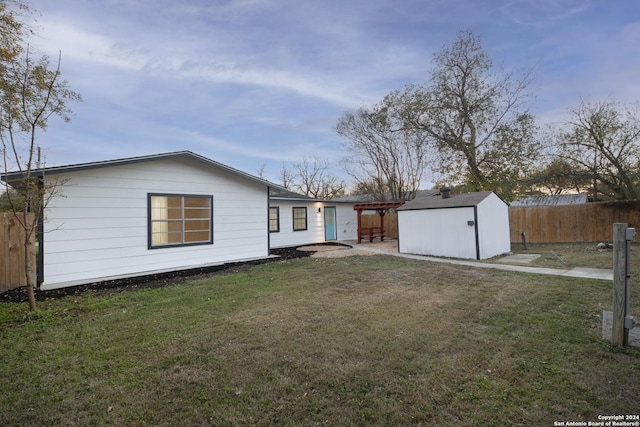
(382,208)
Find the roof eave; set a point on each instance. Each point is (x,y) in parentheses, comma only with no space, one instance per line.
(54,170)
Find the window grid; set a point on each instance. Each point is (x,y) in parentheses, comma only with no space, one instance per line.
(274,219)
(180,220)
(299,219)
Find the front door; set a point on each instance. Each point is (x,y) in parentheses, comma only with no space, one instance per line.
(330,223)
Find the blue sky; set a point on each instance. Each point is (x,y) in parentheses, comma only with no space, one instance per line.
(255,83)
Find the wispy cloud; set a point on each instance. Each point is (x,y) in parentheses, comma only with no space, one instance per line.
(540,13)
(253,81)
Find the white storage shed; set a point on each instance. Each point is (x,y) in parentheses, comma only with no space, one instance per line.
(471,226)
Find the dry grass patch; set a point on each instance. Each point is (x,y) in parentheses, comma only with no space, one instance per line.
(573,255)
(373,340)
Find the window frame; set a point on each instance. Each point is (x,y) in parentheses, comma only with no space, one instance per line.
(306,217)
(150,220)
(277,219)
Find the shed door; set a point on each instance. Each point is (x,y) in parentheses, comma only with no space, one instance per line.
(330,223)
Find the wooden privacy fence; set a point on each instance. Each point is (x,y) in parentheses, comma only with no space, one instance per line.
(12,261)
(590,222)
(390,223)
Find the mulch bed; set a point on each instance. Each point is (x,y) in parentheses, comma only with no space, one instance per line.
(154,280)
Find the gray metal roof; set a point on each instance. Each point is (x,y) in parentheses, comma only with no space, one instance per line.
(371,198)
(550,200)
(358,198)
(53,170)
(437,202)
(290,195)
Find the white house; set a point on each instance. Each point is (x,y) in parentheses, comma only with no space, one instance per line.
(148,215)
(472,226)
(295,220)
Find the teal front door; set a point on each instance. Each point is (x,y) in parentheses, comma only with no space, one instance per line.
(330,223)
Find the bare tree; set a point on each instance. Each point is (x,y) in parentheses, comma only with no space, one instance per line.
(31,92)
(604,139)
(378,190)
(286,177)
(313,178)
(386,155)
(260,171)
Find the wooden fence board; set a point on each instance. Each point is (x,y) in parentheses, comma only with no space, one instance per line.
(390,223)
(591,222)
(12,261)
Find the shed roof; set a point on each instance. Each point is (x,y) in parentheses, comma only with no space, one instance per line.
(455,201)
(53,170)
(550,200)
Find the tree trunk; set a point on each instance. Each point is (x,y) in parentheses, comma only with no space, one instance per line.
(28,261)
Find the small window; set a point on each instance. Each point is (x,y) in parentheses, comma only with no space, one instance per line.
(274,220)
(177,220)
(299,219)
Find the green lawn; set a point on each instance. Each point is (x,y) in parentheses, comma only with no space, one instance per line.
(371,340)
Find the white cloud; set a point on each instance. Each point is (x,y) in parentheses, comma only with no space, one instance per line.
(267,79)
(540,13)
(84,46)
(171,60)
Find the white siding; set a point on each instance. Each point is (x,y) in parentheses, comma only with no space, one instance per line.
(286,237)
(493,227)
(346,221)
(97,228)
(437,232)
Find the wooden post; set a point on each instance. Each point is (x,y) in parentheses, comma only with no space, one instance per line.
(618,335)
(382,212)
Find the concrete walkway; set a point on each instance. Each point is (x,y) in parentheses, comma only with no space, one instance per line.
(580,272)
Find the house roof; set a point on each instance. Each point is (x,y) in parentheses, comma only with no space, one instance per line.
(371,198)
(454,201)
(290,195)
(53,170)
(550,200)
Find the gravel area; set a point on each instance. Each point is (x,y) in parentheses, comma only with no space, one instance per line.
(349,249)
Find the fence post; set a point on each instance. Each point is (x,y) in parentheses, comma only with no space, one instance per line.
(622,237)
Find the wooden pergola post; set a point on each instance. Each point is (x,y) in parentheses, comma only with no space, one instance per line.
(382,213)
(359,224)
(381,207)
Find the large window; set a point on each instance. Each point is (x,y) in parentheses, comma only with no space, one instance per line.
(299,219)
(177,220)
(274,219)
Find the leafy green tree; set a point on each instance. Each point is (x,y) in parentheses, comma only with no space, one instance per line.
(474,116)
(11,201)
(560,176)
(467,124)
(604,138)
